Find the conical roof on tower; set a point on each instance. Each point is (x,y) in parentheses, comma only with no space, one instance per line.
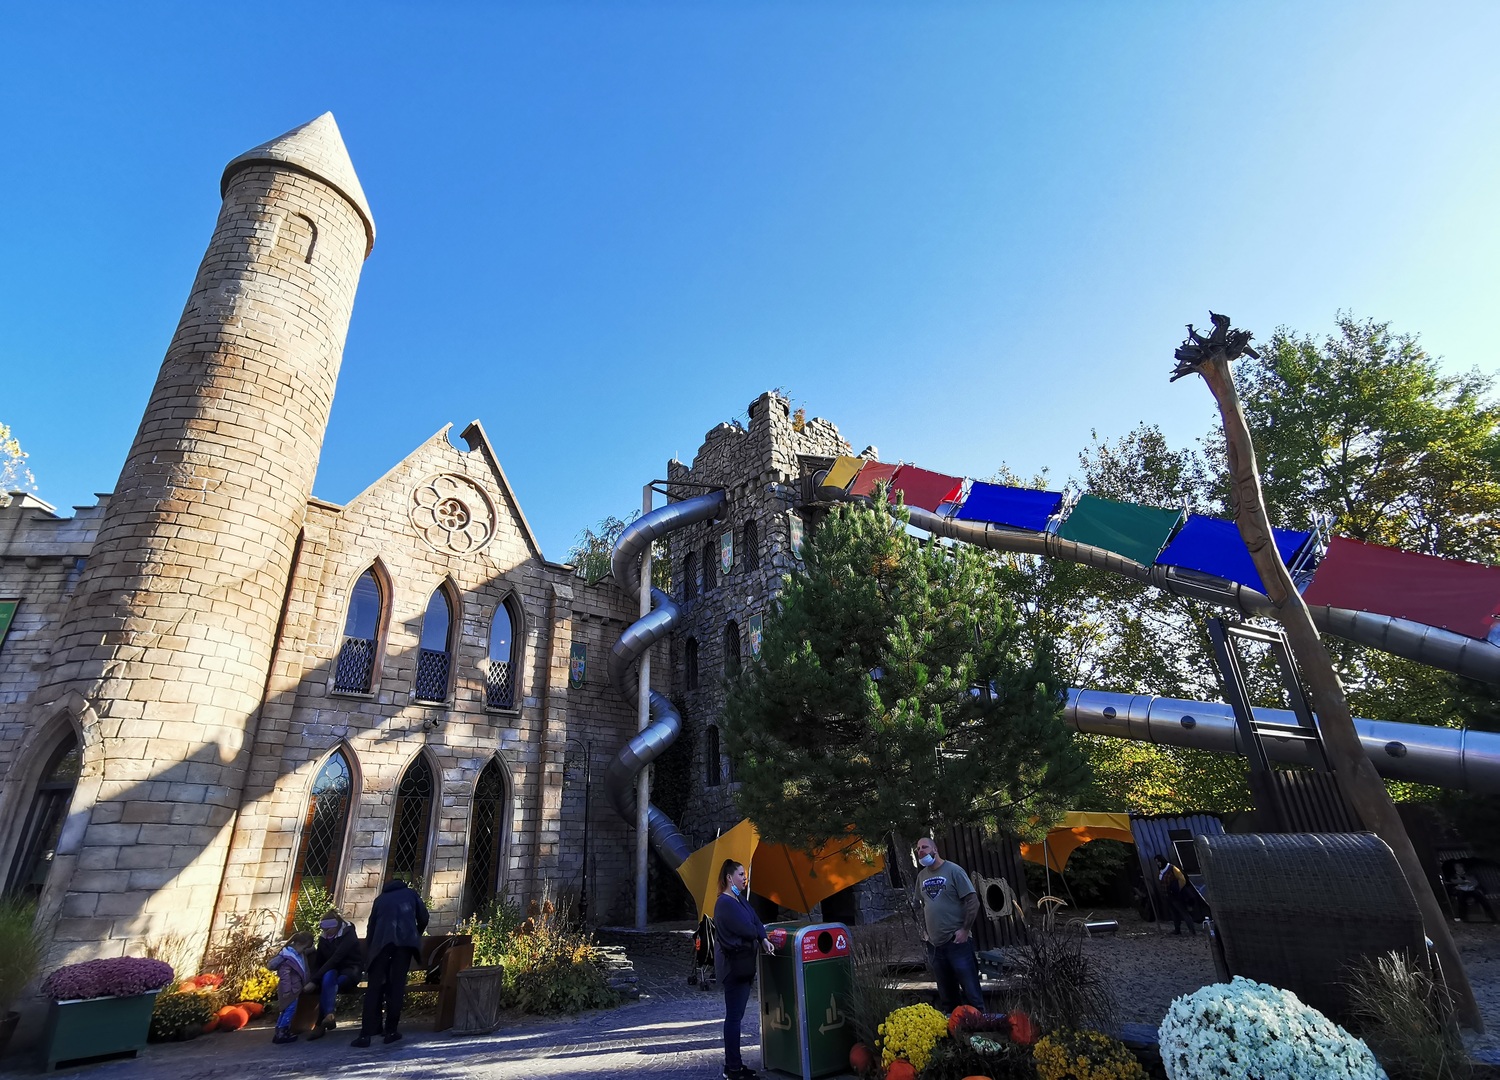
(317,149)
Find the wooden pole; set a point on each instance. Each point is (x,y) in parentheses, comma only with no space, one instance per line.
(1360,783)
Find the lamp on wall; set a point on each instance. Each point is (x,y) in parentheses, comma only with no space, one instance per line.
(431,723)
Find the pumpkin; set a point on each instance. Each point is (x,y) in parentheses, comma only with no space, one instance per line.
(862,1059)
(1022,1030)
(901,1069)
(232,1018)
(212,1025)
(964,1018)
(252,1008)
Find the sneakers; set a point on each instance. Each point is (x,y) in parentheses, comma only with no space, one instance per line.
(329,1023)
(744,1072)
(283,1036)
(392,1036)
(361,1042)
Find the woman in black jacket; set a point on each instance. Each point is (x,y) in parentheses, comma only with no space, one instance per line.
(738,934)
(336,965)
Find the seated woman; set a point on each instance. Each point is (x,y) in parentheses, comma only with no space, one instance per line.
(336,965)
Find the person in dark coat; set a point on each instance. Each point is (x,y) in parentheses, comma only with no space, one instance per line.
(738,935)
(336,965)
(393,937)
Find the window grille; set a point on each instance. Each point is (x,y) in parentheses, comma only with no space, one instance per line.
(732,649)
(690,664)
(485,822)
(433,658)
(499,679)
(689,575)
(710,566)
(407,858)
(752,546)
(44,822)
(712,759)
(322,849)
(356,665)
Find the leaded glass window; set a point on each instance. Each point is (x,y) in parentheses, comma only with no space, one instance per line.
(690,663)
(711,757)
(500,679)
(407,857)
(752,546)
(732,648)
(433,658)
(486,820)
(44,822)
(710,566)
(321,851)
(356,663)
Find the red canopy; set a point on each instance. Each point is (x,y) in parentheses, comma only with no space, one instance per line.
(869,476)
(1463,597)
(920,487)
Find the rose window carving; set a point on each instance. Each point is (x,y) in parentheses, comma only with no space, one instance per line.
(452,514)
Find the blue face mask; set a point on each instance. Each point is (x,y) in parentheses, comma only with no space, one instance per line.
(736,890)
(927,860)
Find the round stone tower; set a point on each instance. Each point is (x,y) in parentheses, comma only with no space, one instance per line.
(164,652)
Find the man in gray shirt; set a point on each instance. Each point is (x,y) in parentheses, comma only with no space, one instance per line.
(950,905)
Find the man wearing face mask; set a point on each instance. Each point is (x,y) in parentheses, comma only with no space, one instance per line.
(950,905)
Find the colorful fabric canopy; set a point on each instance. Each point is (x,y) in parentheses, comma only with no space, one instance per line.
(1129,529)
(873,473)
(1076,829)
(1019,508)
(1213,546)
(843,472)
(929,490)
(1463,597)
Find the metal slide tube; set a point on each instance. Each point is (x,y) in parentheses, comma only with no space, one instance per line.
(1429,645)
(666,724)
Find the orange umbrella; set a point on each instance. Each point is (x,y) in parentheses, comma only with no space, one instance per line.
(1075,830)
(794,879)
(700,871)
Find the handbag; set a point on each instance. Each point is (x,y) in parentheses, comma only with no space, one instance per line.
(742,963)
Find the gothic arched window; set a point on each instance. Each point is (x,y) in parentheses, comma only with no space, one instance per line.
(486,839)
(407,857)
(689,575)
(356,663)
(731,648)
(711,758)
(44,822)
(690,664)
(315,879)
(434,658)
(752,546)
(500,679)
(710,567)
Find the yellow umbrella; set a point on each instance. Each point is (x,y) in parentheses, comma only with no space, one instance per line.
(794,879)
(1075,830)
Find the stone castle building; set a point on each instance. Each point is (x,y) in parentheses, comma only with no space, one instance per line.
(221,695)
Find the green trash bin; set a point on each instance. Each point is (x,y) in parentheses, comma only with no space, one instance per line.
(804,1030)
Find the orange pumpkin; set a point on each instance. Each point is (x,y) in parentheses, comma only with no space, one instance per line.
(964,1018)
(900,1069)
(232,1018)
(862,1059)
(212,1025)
(252,1008)
(1022,1030)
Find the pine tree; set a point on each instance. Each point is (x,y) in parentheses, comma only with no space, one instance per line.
(893,694)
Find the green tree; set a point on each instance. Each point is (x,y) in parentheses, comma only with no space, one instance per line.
(893,694)
(591,551)
(14,475)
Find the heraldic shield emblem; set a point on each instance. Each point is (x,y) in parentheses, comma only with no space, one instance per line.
(578,662)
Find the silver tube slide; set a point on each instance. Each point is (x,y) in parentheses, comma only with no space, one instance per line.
(1428,645)
(1445,757)
(666,724)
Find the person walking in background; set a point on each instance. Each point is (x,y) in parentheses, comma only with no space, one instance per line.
(393,937)
(1180,894)
(336,964)
(739,935)
(1463,890)
(290,965)
(950,904)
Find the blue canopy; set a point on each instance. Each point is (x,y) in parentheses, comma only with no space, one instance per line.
(1020,508)
(1213,546)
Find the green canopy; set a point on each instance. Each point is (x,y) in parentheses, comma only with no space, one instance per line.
(1129,529)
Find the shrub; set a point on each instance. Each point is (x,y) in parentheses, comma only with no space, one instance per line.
(1085,1055)
(492,929)
(238,951)
(1245,1029)
(1059,986)
(911,1033)
(967,1054)
(121,976)
(313,900)
(552,966)
(260,987)
(20,949)
(1407,1020)
(872,992)
(180,1016)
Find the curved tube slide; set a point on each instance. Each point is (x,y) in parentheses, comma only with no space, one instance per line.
(666,724)
(1445,757)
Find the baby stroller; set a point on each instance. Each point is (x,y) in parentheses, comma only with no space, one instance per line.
(702,975)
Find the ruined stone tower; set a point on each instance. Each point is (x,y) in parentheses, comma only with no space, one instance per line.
(162,658)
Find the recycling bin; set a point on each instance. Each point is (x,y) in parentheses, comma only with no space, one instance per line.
(804,987)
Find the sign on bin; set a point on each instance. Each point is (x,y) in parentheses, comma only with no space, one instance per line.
(804,1029)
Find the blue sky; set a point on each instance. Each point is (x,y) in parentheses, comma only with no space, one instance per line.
(969,234)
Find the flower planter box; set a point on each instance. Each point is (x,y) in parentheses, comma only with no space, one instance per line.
(89,1028)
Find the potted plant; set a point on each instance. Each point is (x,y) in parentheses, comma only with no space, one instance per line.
(20,954)
(101,1008)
